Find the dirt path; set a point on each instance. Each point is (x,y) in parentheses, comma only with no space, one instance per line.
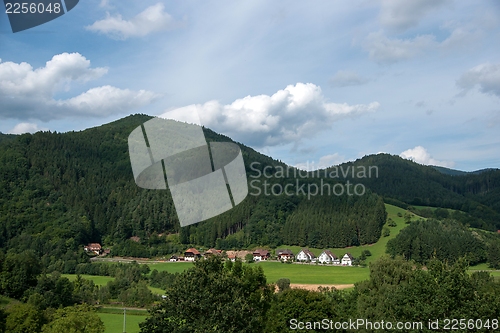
(315,287)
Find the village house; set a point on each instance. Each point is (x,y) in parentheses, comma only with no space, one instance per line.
(212,252)
(260,254)
(191,254)
(327,257)
(305,255)
(233,255)
(173,258)
(285,255)
(347,259)
(94,248)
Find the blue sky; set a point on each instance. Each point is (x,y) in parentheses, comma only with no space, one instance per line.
(306,82)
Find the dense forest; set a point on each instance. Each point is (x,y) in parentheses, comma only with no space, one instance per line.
(405,183)
(59,191)
(62,190)
(445,240)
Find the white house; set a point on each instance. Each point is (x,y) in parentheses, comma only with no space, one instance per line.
(260,254)
(327,257)
(191,254)
(305,255)
(285,255)
(347,259)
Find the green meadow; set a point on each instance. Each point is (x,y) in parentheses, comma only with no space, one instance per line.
(171,267)
(98,280)
(103,280)
(113,322)
(313,274)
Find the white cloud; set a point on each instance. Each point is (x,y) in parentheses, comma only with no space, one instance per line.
(290,115)
(347,78)
(384,50)
(21,79)
(323,163)
(401,15)
(152,19)
(29,93)
(26,128)
(104,3)
(420,155)
(107,100)
(486,76)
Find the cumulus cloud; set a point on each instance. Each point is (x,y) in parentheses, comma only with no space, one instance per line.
(152,19)
(420,155)
(107,99)
(347,78)
(401,15)
(290,115)
(26,128)
(26,92)
(486,76)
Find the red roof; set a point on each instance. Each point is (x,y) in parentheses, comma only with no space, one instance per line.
(261,252)
(94,246)
(192,250)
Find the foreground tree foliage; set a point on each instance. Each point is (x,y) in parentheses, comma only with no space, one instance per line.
(213,296)
(77,319)
(399,290)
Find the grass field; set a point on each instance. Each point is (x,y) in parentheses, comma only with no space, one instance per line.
(103,280)
(171,267)
(313,274)
(98,280)
(114,322)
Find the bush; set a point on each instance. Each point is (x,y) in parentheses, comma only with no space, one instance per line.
(249,258)
(283,284)
(386,232)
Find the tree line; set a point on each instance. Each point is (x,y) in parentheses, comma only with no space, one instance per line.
(214,296)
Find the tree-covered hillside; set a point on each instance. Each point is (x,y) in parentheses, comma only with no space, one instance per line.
(59,191)
(403,183)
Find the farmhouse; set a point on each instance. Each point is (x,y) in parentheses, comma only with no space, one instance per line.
(285,255)
(327,257)
(191,254)
(233,255)
(347,259)
(93,247)
(173,258)
(260,254)
(306,255)
(212,252)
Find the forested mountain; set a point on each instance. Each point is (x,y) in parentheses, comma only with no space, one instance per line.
(404,183)
(61,190)
(4,137)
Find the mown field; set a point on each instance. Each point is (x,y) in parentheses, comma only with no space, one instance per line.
(98,280)
(113,320)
